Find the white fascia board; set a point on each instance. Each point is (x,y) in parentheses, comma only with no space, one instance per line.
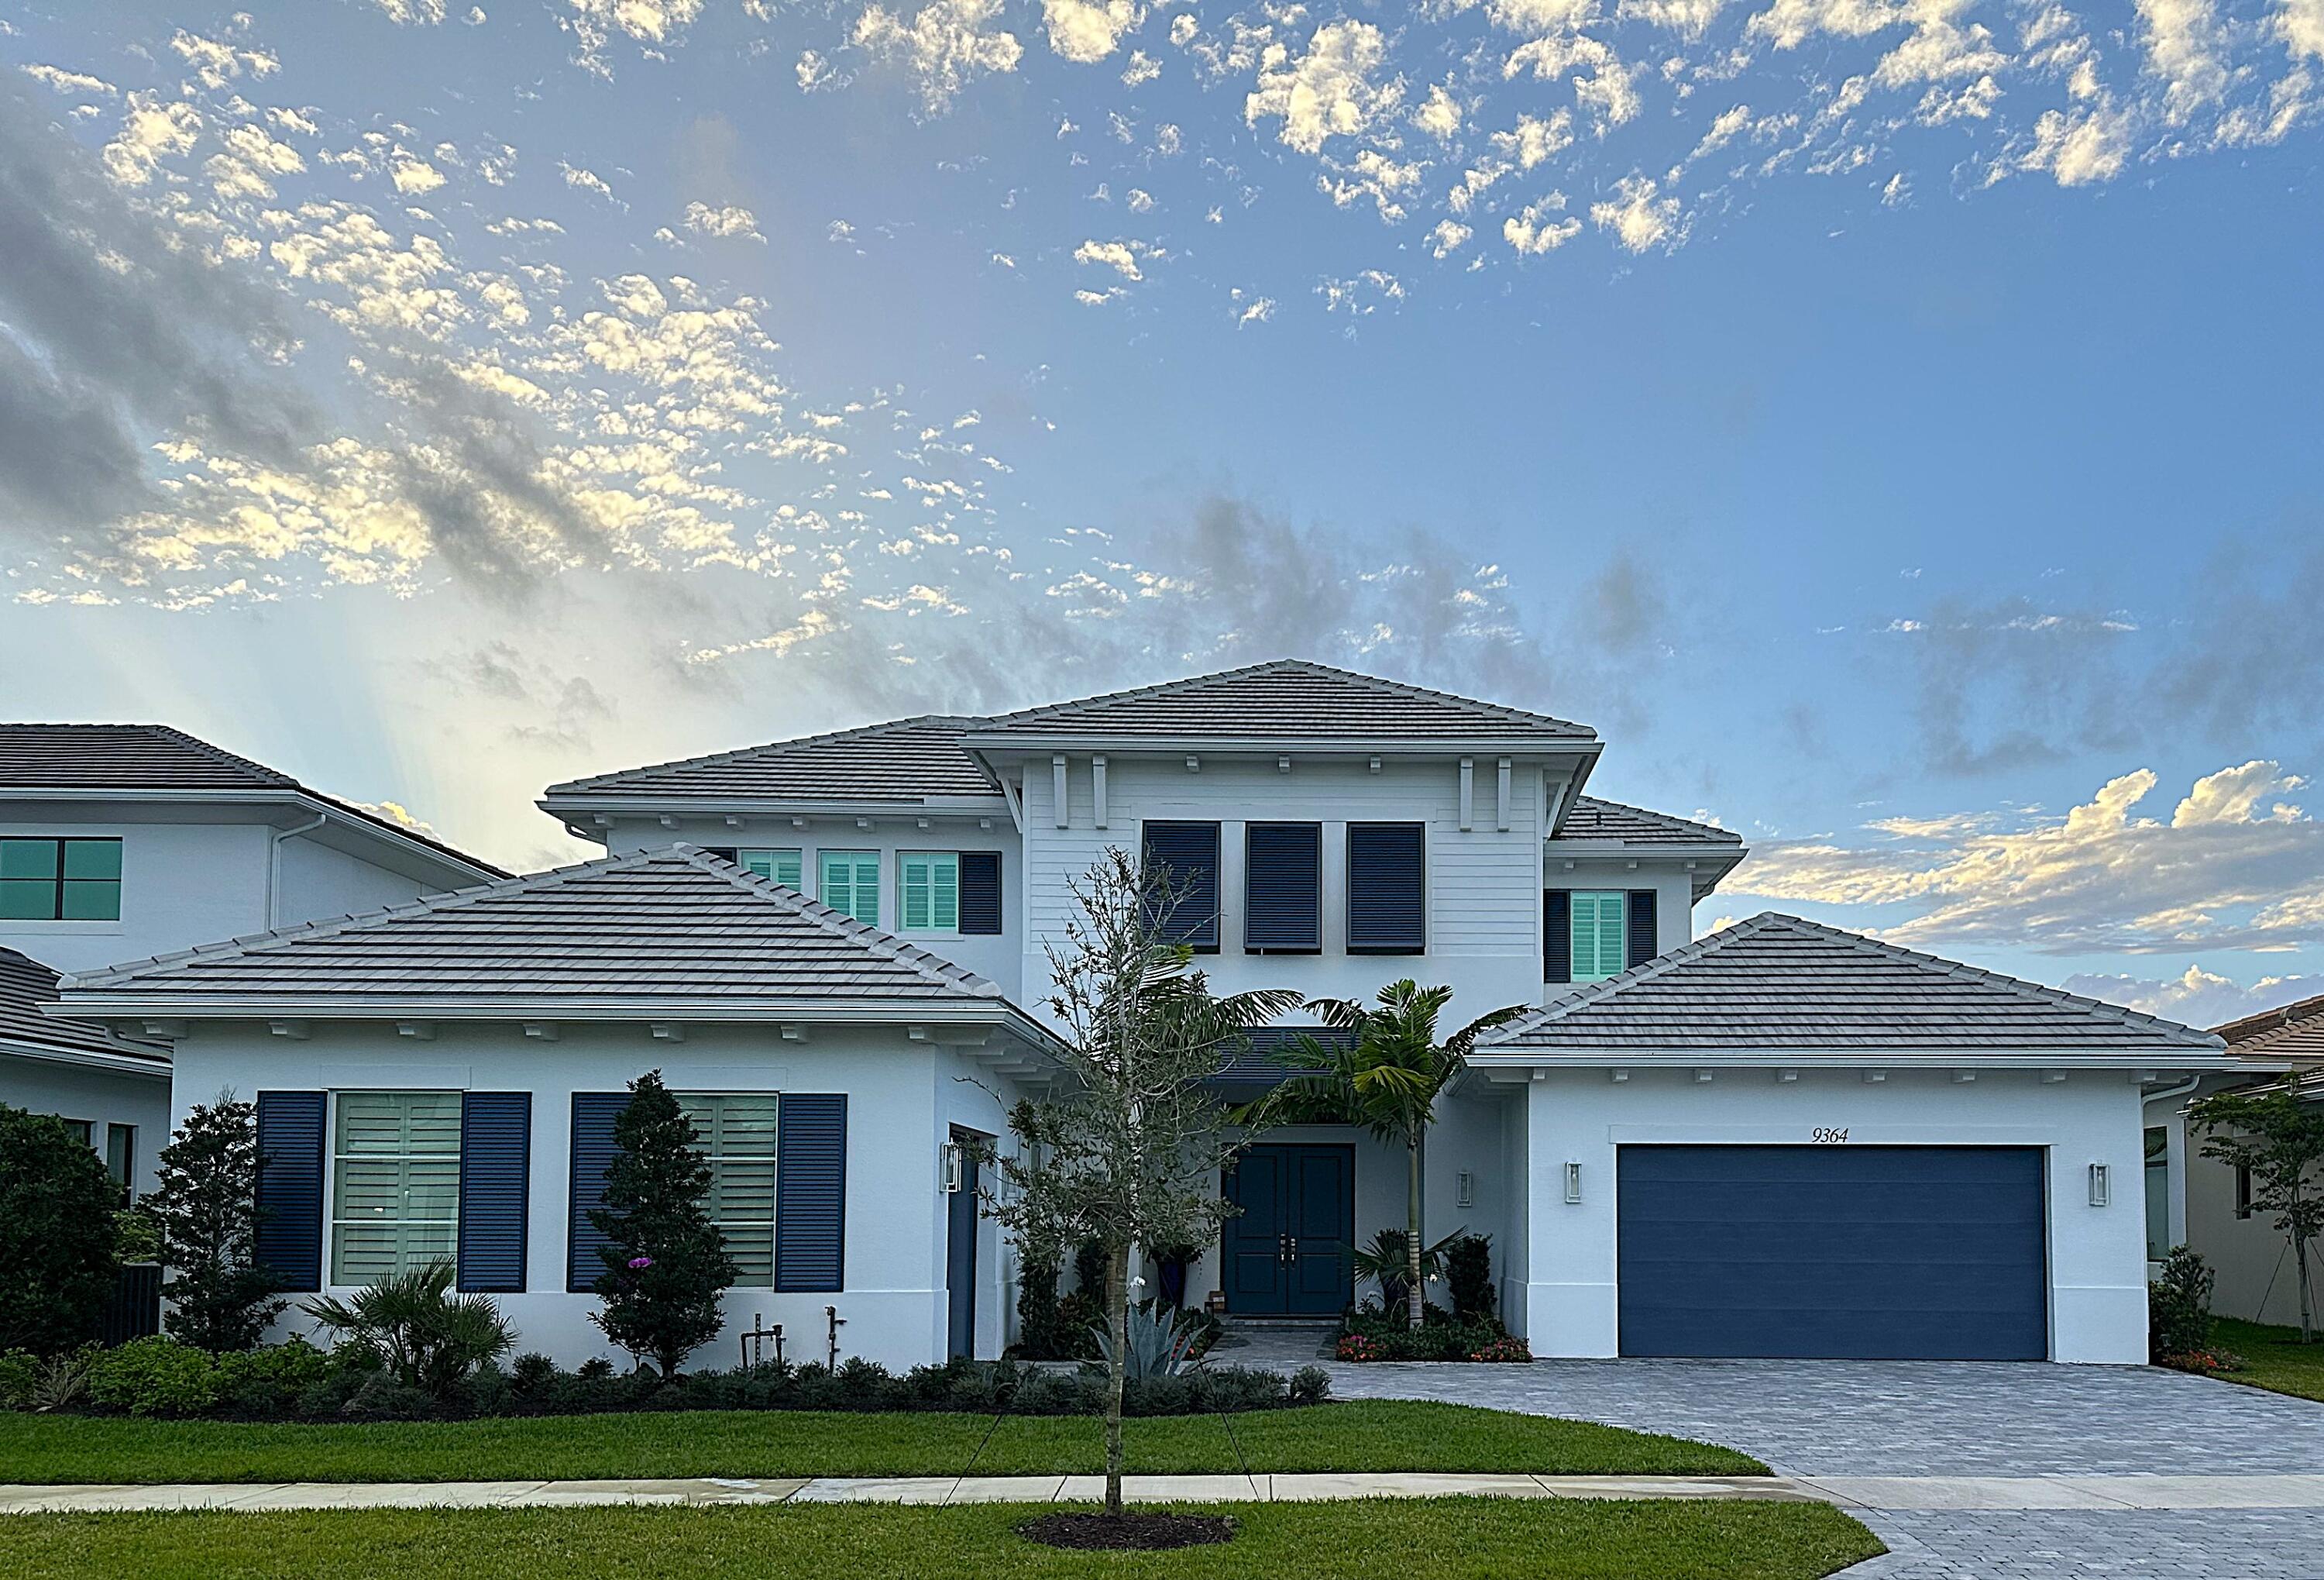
(154,1067)
(712,806)
(301,805)
(1595,1058)
(1614,849)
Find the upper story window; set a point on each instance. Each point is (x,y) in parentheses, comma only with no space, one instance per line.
(1283,888)
(1590,935)
(777,866)
(735,1135)
(1189,854)
(1386,889)
(927,891)
(395,1194)
(979,892)
(1600,945)
(59,879)
(850,884)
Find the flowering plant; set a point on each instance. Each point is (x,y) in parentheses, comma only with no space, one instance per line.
(639,1263)
(1503,1349)
(1357,1347)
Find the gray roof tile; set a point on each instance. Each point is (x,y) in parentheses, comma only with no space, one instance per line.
(1287,699)
(1591,818)
(905,760)
(26,985)
(1777,982)
(675,924)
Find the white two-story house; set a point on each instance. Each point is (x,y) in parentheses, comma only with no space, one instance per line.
(125,840)
(1780,1140)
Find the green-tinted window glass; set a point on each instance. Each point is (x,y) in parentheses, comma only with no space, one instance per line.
(736,1133)
(69,880)
(778,866)
(850,883)
(395,1191)
(1597,935)
(929,881)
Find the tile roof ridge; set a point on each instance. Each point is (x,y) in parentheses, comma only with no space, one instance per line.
(1709,829)
(1504,711)
(740,754)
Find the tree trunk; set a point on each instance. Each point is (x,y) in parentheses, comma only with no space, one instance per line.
(2307,1304)
(1415,1298)
(1117,1322)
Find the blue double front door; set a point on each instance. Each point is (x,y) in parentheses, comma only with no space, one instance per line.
(1287,1251)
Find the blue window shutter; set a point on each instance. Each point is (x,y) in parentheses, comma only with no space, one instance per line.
(1282,897)
(1640,946)
(291,1188)
(496,1170)
(979,892)
(811,1191)
(1190,852)
(592,1152)
(1557,935)
(1386,889)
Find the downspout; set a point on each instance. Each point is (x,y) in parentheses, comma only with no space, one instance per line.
(274,864)
(2174,1226)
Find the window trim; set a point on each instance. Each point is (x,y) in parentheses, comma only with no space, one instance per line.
(904,860)
(333,1157)
(62,876)
(774,1170)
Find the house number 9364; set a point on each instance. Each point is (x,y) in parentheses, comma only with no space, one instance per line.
(1825,1135)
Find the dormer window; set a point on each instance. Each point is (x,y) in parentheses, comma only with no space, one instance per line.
(59,879)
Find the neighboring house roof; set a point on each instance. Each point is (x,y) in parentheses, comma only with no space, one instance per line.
(126,760)
(2293,1030)
(1590,818)
(1779,984)
(674,924)
(26,985)
(904,760)
(1289,699)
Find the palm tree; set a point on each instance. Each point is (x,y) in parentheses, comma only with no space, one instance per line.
(1384,1077)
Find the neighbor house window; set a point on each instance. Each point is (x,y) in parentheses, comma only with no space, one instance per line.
(2158,1193)
(121,1154)
(736,1133)
(850,883)
(61,880)
(82,1129)
(395,1183)
(1601,944)
(927,885)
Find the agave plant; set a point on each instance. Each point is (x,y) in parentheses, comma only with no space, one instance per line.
(428,1337)
(1153,1345)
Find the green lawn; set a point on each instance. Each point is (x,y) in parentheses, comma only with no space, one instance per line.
(1438,1539)
(1364,1435)
(2273,1358)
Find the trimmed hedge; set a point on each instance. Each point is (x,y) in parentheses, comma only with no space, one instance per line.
(1372,1335)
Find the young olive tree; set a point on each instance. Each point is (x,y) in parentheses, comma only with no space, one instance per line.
(1129,1148)
(2279,1140)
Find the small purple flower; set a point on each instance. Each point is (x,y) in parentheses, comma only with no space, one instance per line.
(639,1263)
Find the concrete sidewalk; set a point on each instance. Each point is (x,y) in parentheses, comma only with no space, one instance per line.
(1864,1493)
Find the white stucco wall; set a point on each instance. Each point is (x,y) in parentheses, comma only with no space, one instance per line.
(2097,1259)
(902,1099)
(102,1097)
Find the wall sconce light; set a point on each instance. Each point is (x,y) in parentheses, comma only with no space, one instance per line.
(2101,1193)
(952,1172)
(1573,1182)
(1466,1193)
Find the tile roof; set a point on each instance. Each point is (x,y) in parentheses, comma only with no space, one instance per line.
(1289,699)
(2293,1030)
(1591,818)
(26,985)
(676,923)
(905,760)
(1256,1062)
(1776,982)
(125,758)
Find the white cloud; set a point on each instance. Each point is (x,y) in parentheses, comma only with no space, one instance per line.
(1536,138)
(1640,215)
(2195,997)
(78,83)
(945,44)
(1533,230)
(732,222)
(2079,146)
(1258,309)
(1439,114)
(1372,174)
(412,13)
(1088,31)
(590,181)
(1449,236)
(2238,864)
(153,131)
(1332,90)
(1123,257)
(2185,50)
(413,175)
(2299,24)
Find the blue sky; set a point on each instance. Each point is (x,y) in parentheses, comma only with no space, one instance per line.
(1895,425)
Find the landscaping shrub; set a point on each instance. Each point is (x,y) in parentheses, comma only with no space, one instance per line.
(1038,1324)
(2179,1321)
(1371,1334)
(665,1262)
(1469,1271)
(56,1235)
(205,1209)
(155,1376)
(19,1370)
(427,1338)
(270,1382)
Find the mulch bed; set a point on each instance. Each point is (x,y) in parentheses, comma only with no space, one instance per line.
(1129,1532)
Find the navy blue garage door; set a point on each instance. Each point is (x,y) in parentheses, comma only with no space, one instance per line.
(1931,1253)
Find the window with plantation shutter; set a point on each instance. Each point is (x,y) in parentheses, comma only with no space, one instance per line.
(777,866)
(928,884)
(1599,936)
(1189,852)
(1386,889)
(1283,888)
(850,884)
(395,1183)
(736,1133)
